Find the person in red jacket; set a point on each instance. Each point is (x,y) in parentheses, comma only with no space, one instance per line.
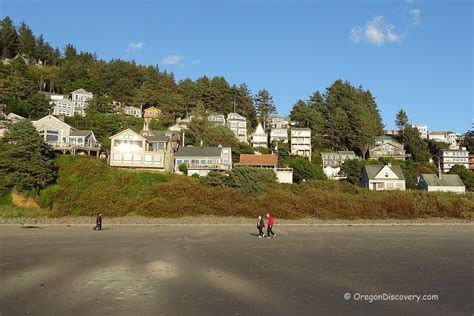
(270,222)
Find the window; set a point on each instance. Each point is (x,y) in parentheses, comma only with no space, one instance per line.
(52,136)
(161,145)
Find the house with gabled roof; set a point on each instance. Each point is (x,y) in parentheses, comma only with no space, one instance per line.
(130,149)
(387,147)
(383,177)
(64,138)
(441,182)
(202,160)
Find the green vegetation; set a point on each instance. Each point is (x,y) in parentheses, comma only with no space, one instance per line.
(26,162)
(466,176)
(86,186)
(303,170)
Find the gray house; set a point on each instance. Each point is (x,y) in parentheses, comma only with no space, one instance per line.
(379,177)
(443,183)
(201,160)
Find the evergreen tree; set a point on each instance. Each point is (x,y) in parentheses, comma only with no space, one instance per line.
(9,38)
(26,40)
(69,52)
(414,144)
(26,163)
(401,119)
(264,105)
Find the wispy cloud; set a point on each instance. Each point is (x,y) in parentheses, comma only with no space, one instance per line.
(172,59)
(195,61)
(415,16)
(376,31)
(135,46)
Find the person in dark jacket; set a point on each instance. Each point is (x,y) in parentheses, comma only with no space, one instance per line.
(98,222)
(260,226)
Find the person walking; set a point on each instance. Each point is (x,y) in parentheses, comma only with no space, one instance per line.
(260,226)
(270,223)
(98,222)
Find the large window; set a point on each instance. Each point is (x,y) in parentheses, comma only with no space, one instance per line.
(52,136)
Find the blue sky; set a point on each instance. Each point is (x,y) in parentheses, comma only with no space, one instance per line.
(416,55)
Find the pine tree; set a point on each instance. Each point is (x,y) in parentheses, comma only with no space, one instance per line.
(9,38)
(26,163)
(264,105)
(26,40)
(401,119)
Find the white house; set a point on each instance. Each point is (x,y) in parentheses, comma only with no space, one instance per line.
(379,177)
(14,118)
(387,147)
(132,111)
(63,106)
(445,137)
(300,142)
(443,183)
(66,139)
(450,157)
(278,128)
(238,125)
(132,150)
(216,119)
(422,128)
(259,137)
(202,160)
(81,98)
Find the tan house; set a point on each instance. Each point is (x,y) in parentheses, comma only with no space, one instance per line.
(132,150)
(66,139)
(387,147)
(151,113)
(266,161)
(380,177)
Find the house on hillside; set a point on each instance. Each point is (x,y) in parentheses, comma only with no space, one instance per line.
(266,161)
(278,126)
(259,137)
(80,99)
(300,142)
(63,138)
(422,128)
(202,160)
(14,118)
(151,113)
(383,177)
(216,119)
(387,147)
(332,162)
(448,137)
(451,157)
(129,149)
(441,182)
(132,111)
(238,125)
(63,106)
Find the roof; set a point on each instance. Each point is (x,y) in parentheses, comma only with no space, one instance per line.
(157,138)
(347,152)
(378,138)
(447,180)
(199,151)
(248,159)
(441,132)
(153,109)
(300,128)
(80,91)
(373,170)
(80,132)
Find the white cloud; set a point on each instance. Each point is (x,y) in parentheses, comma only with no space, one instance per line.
(195,61)
(416,16)
(135,46)
(409,1)
(172,59)
(376,31)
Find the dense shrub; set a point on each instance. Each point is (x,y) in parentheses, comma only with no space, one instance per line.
(251,180)
(87,186)
(304,170)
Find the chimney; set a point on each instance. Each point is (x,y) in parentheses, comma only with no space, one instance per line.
(439,167)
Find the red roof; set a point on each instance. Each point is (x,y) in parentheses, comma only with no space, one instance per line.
(258,160)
